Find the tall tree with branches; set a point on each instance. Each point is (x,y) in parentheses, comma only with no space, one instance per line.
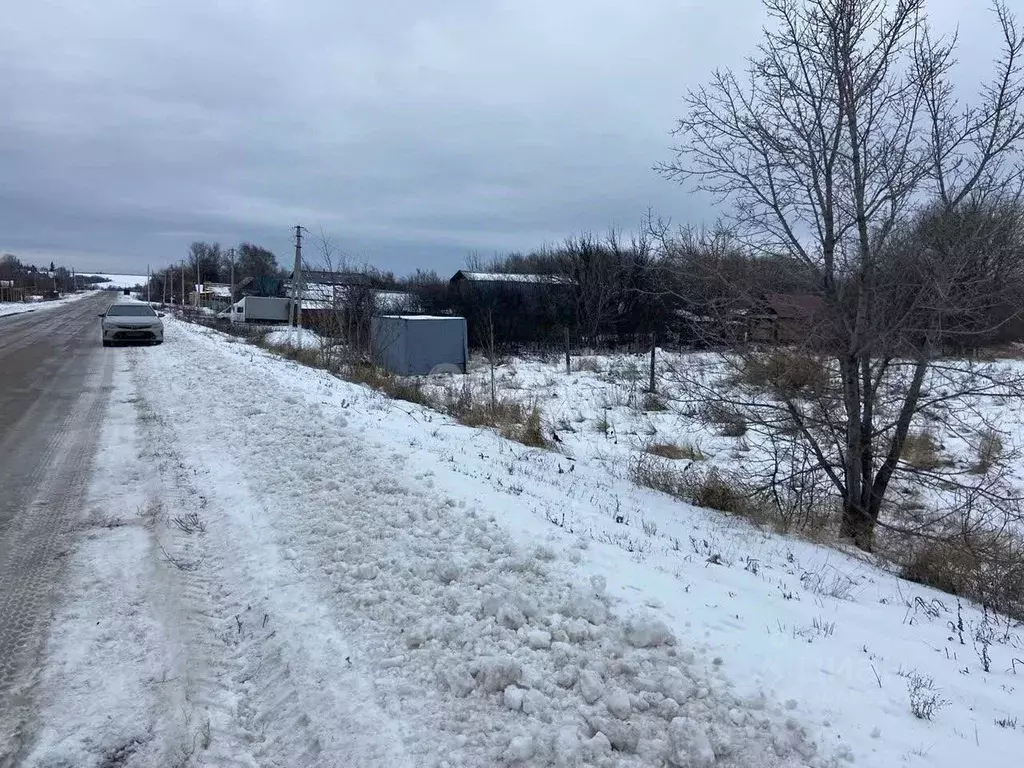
(844,126)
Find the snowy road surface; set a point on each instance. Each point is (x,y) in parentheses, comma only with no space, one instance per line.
(273,567)
(53,386)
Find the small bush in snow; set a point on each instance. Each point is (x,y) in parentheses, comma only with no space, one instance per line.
(302,355)
(986,566)
(785,372)
(828,582)
(653,402)
(714,490)
(589,364)
(603,425)
(648,471)
(407,388)
(513,419)
(921,450)
(925,698)
(731,421)
(675,451)
(529,431)
(990,450)
(703,488)
(736,428)
(823,628)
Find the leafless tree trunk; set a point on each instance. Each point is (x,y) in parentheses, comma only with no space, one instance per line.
(844,125)
(594,267)
(345,311)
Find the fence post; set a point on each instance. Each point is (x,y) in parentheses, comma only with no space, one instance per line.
(568,364)
(654,345)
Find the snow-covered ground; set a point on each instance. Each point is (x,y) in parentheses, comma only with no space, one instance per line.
(286,336)
(276,567)
(607,395)
(600,413)
(18,307)
(118,281)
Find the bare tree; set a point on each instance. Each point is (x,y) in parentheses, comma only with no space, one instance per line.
(345,304)
(844,125)
(595,271)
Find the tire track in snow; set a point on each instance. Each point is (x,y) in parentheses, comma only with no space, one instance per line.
(267,683)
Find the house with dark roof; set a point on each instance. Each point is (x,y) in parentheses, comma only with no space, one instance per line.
(786,318)
(464,278)
(518,306)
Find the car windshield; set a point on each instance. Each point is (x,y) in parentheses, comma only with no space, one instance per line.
(122,310)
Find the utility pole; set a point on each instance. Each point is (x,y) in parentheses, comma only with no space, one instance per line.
(183,286)
(296,307)
(232,302)
(149,286)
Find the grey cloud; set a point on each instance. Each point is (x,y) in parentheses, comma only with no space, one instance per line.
(412,132)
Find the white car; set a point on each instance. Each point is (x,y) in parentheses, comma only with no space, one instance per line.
(131,321)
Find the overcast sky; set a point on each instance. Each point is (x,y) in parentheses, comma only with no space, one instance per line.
(411,131)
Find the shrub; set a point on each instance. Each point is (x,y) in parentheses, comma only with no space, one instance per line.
(784,372)
(676,452)
(512,419)
(653,402)
(828,582)
(589,364)
(925,700)
(703,488)
(658,475)
(528,431)
(714,490)
(730,420)
(409,389)
(810,510)
(990,449)
(921,450)
(985,566)
(736,428)
(302,355)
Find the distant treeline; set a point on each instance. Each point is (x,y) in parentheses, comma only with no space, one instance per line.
(682,286)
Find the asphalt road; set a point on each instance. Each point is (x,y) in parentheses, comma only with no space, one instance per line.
(54,384)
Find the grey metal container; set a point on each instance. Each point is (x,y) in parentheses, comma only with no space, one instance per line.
(265,309)
(417,345)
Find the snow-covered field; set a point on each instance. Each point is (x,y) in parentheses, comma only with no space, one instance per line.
(276,567)
(601,410)
(286,336)
(18,307)
(118,281)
